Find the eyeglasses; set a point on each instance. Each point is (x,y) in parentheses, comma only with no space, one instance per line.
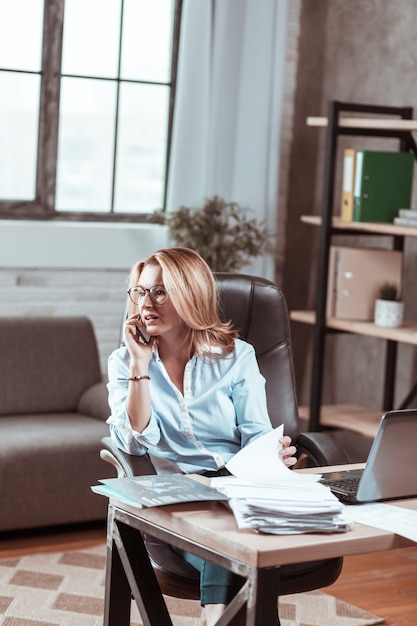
(158,294)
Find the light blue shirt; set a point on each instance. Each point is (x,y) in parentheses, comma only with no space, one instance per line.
(223,408)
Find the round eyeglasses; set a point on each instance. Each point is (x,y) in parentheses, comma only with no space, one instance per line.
(158,294)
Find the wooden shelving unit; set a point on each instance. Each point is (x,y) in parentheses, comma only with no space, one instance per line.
(356,120)
(359,418)
(366,123)
(407,333)
(368,228)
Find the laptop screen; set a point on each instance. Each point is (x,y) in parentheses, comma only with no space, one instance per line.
(391,468)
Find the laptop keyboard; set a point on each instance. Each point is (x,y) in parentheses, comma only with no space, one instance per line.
(350,485)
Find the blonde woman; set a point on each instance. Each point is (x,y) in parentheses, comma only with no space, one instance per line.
(193,394)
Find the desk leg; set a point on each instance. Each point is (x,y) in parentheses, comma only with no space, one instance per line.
(262,609)
(258,598)
(129,571)
(118,596)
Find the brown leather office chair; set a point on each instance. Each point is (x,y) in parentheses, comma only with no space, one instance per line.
(258,310)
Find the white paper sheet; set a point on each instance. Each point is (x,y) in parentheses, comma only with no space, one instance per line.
(385,516)
(260,462)
(302,494)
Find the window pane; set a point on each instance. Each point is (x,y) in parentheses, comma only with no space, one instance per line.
(91,37)
(141,148)
(19,118)
(147,41)
(85,145)
(21,26)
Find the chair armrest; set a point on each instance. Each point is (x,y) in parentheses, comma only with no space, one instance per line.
(126,464)
(94,402)
(321,450)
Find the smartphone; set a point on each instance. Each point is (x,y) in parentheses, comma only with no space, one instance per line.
(142,333)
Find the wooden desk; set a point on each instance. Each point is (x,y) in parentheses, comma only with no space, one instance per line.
(209,530)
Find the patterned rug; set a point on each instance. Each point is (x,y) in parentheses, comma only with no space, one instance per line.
(67,589)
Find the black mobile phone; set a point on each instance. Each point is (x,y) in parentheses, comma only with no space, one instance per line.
(142,333)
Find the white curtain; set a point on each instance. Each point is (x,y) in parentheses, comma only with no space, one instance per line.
(226,133)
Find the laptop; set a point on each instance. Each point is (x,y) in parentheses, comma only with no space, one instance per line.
(391,469)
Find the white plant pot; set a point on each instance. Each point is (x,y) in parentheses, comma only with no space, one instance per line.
(389,313)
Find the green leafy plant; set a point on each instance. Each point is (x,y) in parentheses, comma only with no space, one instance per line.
(388,291)
(221,232)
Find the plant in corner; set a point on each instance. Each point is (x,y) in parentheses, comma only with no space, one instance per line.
(389,310)
(221,232)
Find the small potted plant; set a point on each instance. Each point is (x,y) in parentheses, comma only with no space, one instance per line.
(223,233)
(389,310)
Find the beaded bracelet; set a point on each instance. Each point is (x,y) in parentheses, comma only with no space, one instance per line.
(136,378)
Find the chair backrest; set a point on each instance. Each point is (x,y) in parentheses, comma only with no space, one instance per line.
(258,310)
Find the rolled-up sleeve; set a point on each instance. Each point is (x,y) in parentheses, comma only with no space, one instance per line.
(121,430)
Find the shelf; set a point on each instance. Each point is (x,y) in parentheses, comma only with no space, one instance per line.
(375,123)
(368,121)
(352,417)
(407,333)
(377,228)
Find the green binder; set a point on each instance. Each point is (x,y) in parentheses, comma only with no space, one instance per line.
(383,185)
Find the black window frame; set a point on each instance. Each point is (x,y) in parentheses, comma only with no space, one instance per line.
(43,206)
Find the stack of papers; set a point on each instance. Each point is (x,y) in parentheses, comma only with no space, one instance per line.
(287,508)
(267,496)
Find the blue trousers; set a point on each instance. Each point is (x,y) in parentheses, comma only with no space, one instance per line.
(217,585)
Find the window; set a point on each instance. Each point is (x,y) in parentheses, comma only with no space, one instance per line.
(86,108)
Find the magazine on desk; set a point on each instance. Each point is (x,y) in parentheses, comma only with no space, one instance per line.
(158,490)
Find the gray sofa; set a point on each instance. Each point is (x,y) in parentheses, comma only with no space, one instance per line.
(53,407)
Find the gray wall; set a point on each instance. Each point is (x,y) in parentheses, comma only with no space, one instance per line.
(358,51)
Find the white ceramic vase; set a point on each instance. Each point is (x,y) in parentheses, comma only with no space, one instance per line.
(389,313)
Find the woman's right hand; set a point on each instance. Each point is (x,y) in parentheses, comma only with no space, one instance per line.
(138,349)
(138,404)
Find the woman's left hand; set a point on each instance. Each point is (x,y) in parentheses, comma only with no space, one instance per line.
(287,451)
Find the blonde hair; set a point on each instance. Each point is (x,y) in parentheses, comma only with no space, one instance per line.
(193,293)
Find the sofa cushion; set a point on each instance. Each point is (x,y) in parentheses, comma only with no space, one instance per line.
(47,464)
(46,363)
